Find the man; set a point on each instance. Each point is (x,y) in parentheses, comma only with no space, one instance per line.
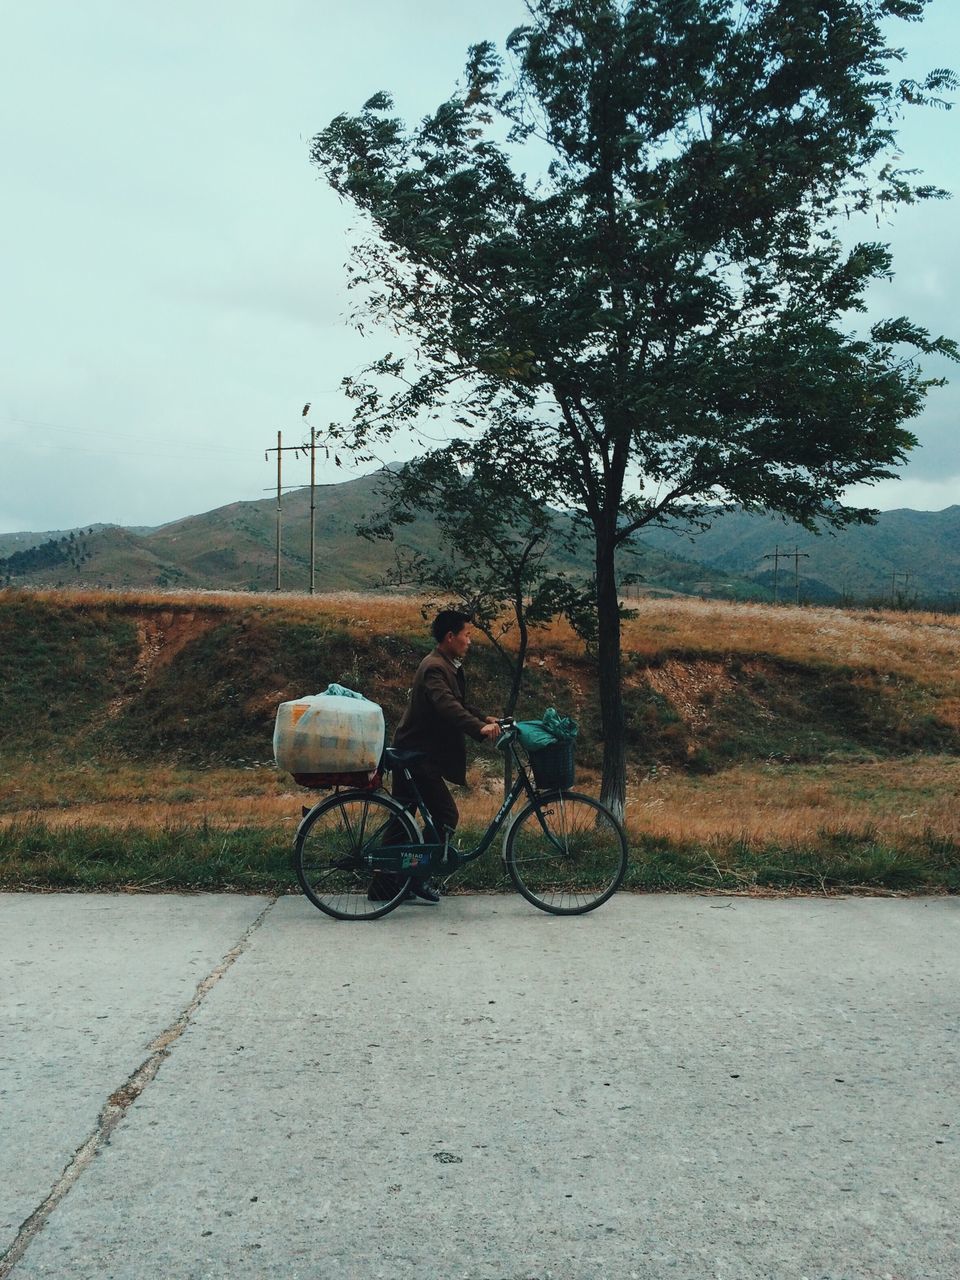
(436,722)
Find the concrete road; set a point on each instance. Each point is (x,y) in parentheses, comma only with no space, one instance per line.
(671,1087)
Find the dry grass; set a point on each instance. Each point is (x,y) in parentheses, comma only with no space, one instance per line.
(361,613)
(30,787)
(681,646)
(923,646)
(899,803)
(149,797)
(224,812)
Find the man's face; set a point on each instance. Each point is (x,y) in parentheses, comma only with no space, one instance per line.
(456,643)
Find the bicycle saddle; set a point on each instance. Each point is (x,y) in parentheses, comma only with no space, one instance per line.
(392,757)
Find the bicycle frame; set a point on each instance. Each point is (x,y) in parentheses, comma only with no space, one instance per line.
(443,858)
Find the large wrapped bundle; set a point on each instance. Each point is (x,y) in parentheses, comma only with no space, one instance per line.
(328,734)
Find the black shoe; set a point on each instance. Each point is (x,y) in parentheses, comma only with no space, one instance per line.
(424,890)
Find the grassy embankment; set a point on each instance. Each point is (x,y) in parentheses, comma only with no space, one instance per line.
(770,748)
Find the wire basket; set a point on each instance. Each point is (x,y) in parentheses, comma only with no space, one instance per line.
(553,767)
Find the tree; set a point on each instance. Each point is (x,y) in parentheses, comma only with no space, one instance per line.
(495,535)
(661,318)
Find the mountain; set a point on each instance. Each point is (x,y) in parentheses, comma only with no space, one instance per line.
(906,554)
(234,547)
(11,543)
(231,547)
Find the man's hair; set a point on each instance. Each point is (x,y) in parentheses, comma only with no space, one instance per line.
(449,620)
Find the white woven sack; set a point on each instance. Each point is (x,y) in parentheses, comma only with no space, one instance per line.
(324,733)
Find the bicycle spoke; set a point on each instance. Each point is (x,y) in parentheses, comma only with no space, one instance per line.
(566,853)
(332,851)
(345,819)
(363,825)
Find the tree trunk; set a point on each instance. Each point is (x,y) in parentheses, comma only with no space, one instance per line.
(613,788)
(519,664)
(514,696)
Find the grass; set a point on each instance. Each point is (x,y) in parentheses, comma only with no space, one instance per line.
(901,801)
(35,855)
(360,612)
(835,861)
(120,791)
(877,826)
(56,665)
(770,748)
(922,646)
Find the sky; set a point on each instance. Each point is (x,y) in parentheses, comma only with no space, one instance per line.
(172,266)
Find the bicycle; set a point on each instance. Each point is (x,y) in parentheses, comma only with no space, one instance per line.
(565,852)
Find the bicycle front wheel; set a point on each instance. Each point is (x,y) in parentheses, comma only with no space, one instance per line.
(332,848)
(566,853)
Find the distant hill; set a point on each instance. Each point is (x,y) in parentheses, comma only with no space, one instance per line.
(11,543)
(234,547)
(909,554)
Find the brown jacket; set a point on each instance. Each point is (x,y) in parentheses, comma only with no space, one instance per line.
(437,717)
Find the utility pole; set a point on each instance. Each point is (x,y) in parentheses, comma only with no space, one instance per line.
(280,450)
(905,575)
(279,509)
(776,556)
(313,507)
(313,500)
(798,555)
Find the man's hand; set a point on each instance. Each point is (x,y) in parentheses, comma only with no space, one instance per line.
(491,729)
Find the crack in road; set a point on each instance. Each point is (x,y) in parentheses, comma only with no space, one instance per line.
(120,1101)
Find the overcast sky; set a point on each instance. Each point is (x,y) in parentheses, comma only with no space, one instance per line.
(171,265)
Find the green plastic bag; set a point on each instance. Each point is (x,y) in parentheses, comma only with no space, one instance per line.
(534,735)
(340,691)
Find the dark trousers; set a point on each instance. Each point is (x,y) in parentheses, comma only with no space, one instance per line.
(435,794)
(442,809)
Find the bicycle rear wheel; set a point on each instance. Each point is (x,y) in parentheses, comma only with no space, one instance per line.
(333,843)
(566,853)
